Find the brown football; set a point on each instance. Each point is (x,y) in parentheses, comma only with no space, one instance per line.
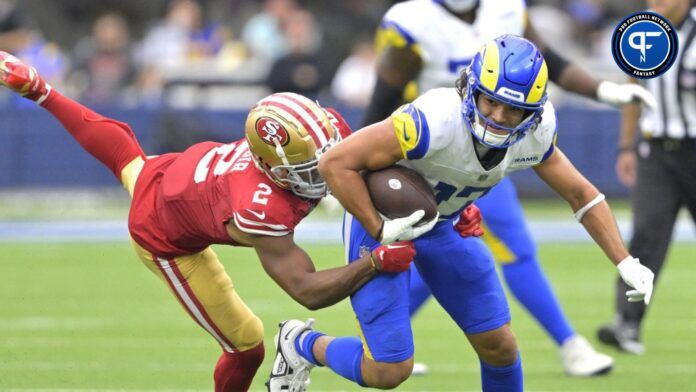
(398,191)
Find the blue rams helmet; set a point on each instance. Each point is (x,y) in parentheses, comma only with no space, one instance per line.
(510,70)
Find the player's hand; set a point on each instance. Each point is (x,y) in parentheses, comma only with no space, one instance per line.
(395,257)
(22,79)
(622,94)
(338,122)
(470,222)
(637,276)
(626,167)
(403,229)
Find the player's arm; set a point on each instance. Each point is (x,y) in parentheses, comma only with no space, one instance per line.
(562,176)
(397,65)
(594,214)
(292,269)
(626,159)
(572,77)
(374,147)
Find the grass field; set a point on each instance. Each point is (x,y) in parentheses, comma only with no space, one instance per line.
(91,317)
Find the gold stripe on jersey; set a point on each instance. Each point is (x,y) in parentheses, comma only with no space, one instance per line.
(406,130)
(390,36)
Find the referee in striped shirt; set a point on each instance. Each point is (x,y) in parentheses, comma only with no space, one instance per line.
(661,170)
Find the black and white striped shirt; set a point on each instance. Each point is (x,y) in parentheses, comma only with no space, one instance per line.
(675,91)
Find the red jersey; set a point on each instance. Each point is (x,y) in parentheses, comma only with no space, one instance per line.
(182,201)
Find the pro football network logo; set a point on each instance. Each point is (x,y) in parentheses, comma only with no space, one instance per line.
(270,130)
(644,45)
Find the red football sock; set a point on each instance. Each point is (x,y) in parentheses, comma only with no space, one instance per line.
(111,142)
(234,371)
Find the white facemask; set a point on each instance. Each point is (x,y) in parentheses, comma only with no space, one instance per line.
(460,5)
(489,138)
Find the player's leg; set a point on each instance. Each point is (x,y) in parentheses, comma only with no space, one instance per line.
(382,357)
(418,292)
(508,238)
(201,285)
(461,274)
(511,243)
(111,142)
(656,199)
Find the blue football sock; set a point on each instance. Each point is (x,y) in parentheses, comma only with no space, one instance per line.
(527,282)
(343,356)
(502,378)
(418,291)
(305,343)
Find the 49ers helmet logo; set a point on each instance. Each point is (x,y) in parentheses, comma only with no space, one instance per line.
(269,130)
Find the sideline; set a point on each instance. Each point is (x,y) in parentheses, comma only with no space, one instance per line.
(311,231)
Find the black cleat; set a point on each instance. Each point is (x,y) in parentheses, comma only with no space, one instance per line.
(622,336)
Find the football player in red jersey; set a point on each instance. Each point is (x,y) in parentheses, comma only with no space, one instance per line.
(251,192)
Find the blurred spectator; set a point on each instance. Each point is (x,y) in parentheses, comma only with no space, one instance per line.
(299,70)
(13,34)
(47,58)
(355,78)
(263,33)
(168,44)
(103,65)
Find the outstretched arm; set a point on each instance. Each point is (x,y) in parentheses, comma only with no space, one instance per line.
(292,269)
(594,214)
(560,174)
(572,77)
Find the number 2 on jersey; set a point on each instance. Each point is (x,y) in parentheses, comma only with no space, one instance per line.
(260,196)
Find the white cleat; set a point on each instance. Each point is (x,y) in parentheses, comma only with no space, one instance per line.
(419,369)
(580,359)
(290,371)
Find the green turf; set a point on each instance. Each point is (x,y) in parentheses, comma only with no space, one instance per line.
(91,317)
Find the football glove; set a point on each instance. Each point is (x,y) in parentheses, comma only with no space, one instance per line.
(622,94)
(339,123)
(395,257)
(637,276)
(22,79)
(404,229)
(469,222)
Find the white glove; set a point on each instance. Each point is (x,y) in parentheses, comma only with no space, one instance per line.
(637,276)
(401,229)
(622,94)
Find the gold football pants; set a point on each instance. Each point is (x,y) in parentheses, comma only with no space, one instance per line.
(202,286)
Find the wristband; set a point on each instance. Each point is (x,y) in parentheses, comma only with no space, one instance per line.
(623,149)
(579,214)
(373,262)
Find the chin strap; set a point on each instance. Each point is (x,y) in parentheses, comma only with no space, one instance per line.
(579,214)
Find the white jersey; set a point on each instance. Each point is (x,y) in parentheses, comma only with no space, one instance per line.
(437,144)
(445,43)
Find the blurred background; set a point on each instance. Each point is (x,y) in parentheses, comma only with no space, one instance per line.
(181,71)
(77,310)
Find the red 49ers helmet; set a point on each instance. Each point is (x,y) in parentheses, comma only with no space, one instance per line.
(287,134)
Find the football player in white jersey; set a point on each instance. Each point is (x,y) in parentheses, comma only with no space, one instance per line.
(429,42)
(463,141)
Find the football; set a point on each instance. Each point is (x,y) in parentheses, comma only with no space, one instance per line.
(398,191)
